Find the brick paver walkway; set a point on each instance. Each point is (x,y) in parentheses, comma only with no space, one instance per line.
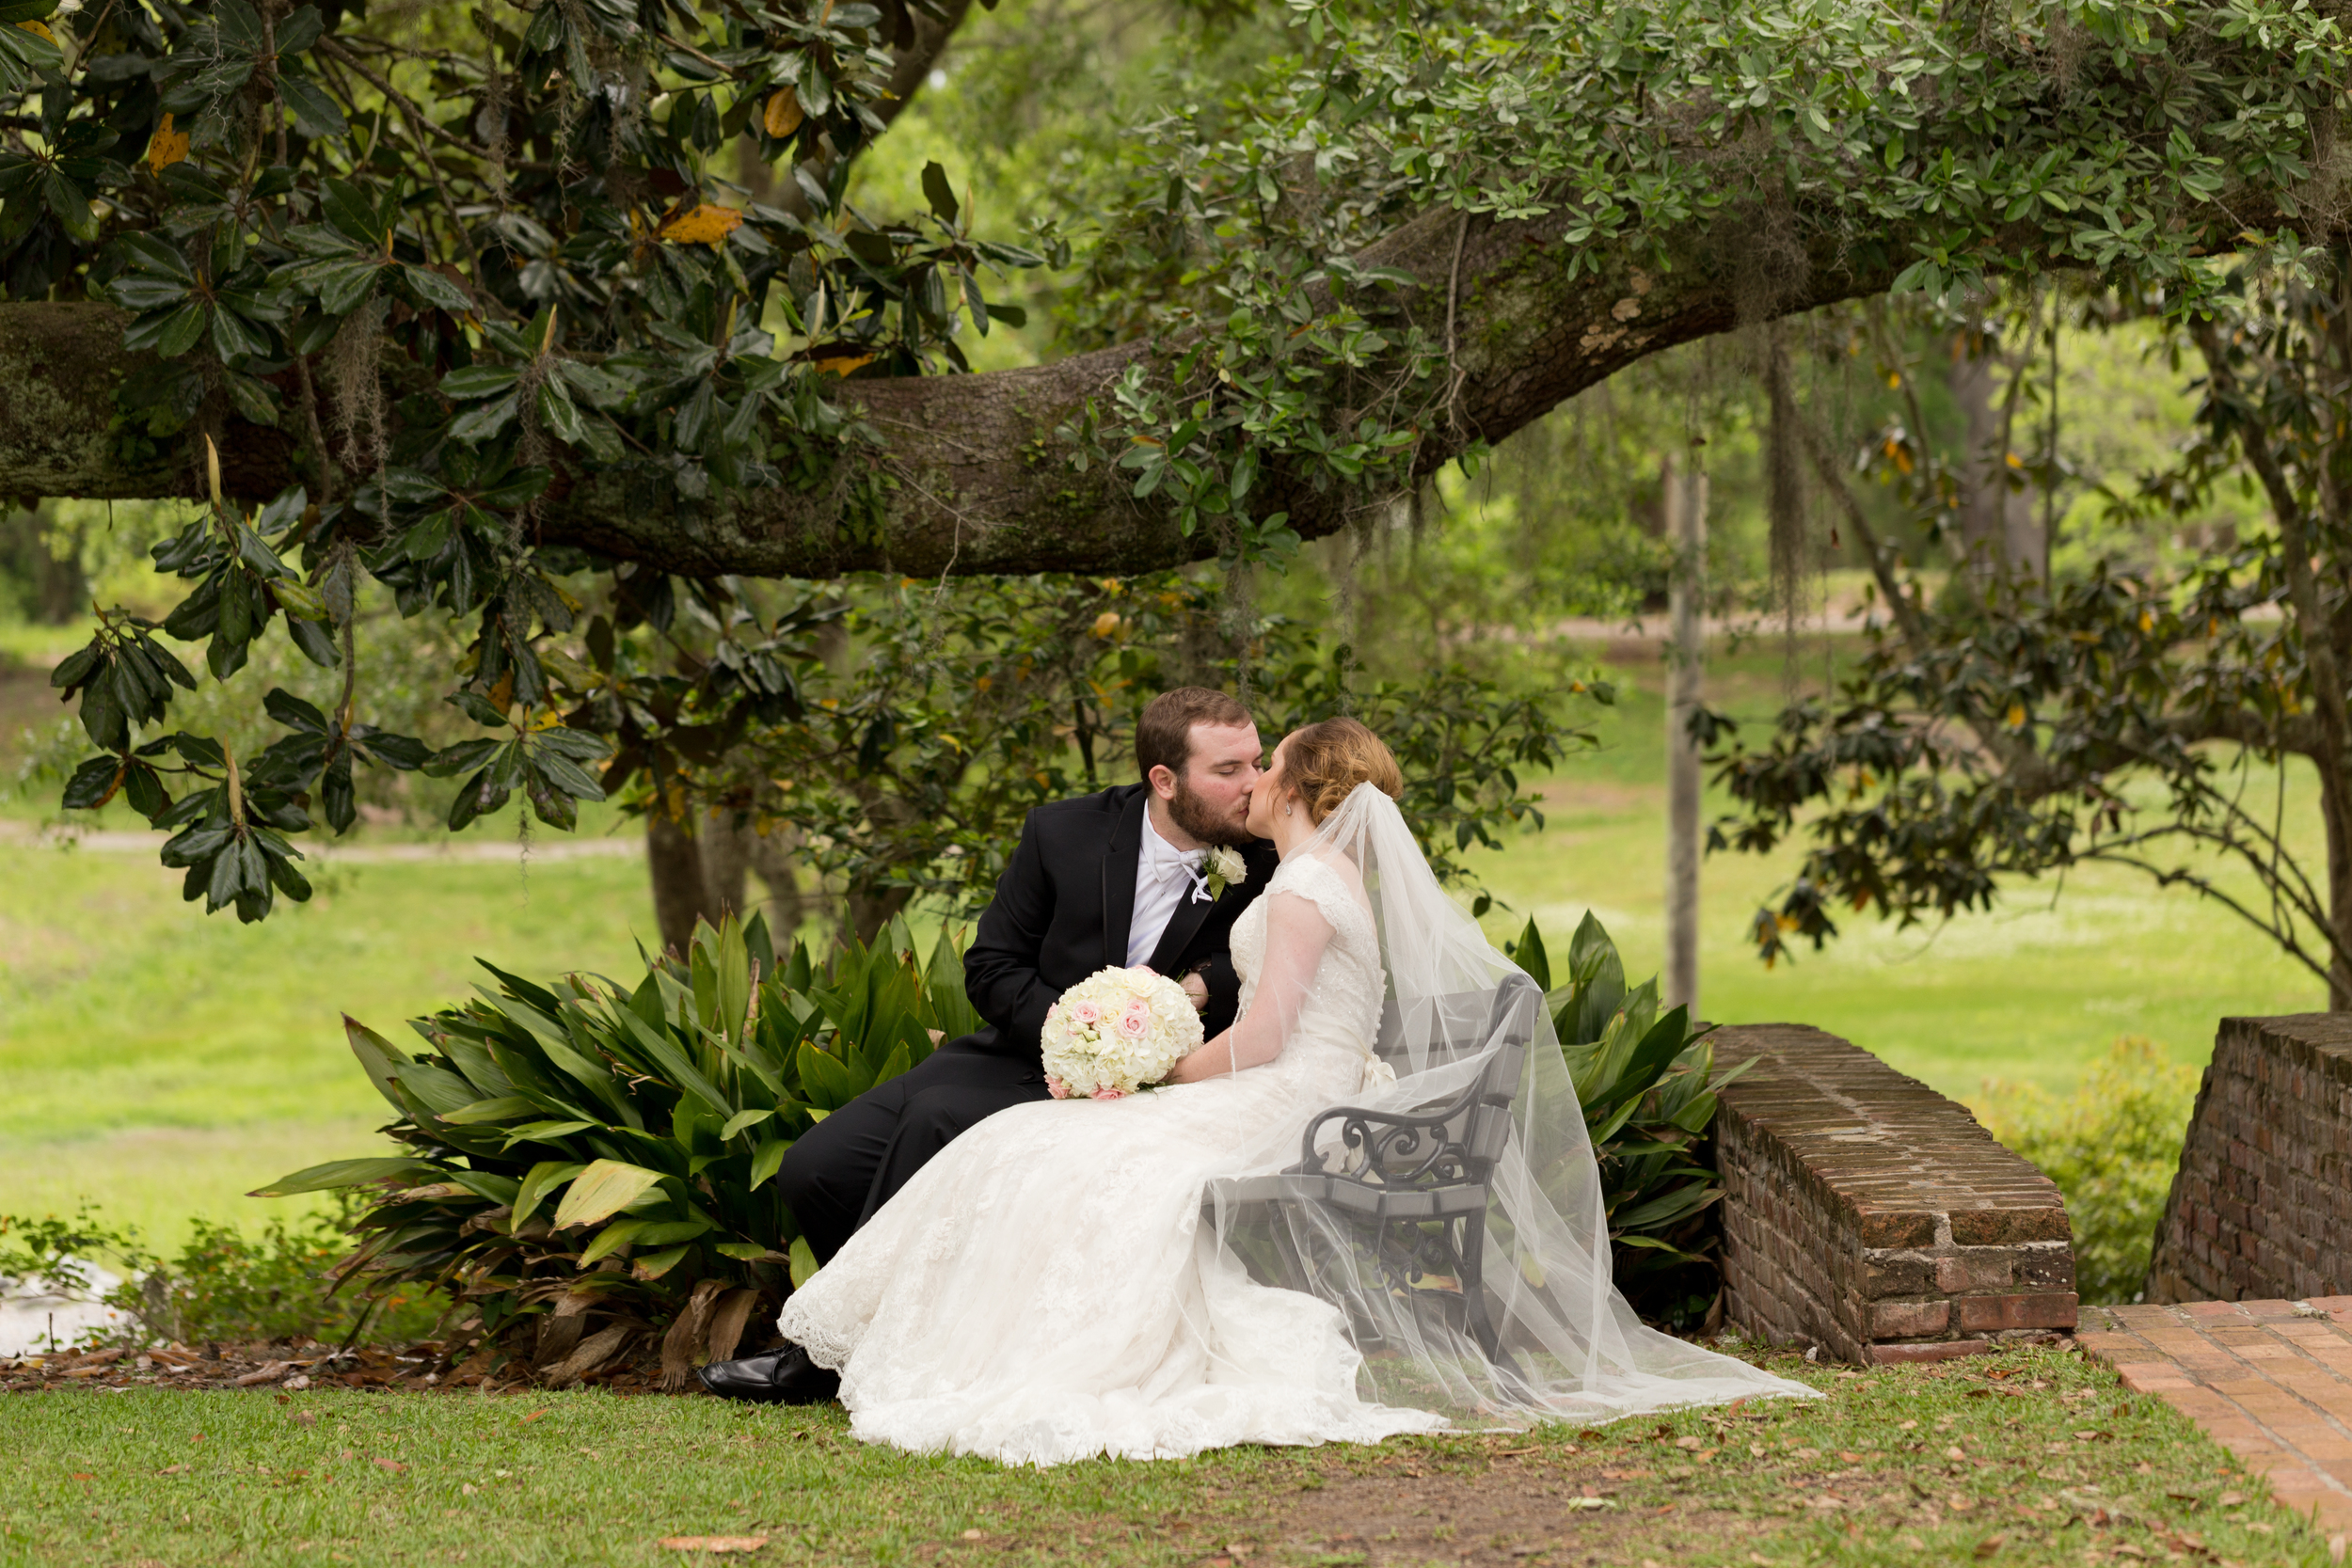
(2270,1380)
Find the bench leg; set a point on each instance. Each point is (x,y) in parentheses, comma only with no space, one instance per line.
(1469,1249)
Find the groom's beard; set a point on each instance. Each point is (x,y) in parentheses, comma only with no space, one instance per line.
(1198,818)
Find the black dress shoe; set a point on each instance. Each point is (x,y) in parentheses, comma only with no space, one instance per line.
(783,1376)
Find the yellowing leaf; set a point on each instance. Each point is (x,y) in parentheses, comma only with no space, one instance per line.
(1106,624)
(2147,620)
(2016,715)
(782,115)
(43,29)
(603,1190)
(708,223)
(2016,460)
(166,147)
(842,364)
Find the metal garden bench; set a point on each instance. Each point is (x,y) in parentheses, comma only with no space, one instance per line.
(1414,1186)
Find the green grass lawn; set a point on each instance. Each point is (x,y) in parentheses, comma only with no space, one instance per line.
(2036,1457)
(2031,991)
(161,1063)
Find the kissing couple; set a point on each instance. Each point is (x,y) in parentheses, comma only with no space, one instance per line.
(1038,1279)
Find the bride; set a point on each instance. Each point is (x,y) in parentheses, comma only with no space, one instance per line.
(1049,1287)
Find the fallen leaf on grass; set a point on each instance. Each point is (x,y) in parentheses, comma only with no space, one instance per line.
(394,1465)
(173,1470)
(1589,1502)
(1989,1545)
(1511,1453)
(533,1416)
(713,1542)
(2230,1499)
(84,1475)
(975,1534)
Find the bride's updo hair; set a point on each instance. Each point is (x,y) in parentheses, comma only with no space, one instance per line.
(1325,761)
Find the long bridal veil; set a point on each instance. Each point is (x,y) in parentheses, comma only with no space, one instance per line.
(1455,1215)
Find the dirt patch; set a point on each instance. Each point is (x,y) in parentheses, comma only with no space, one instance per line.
(1552,1506)
(277,1367)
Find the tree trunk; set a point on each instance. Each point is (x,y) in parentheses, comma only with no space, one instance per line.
(1685,494)
(870,909)
(1997,528)
(788,906)
(727,860)
(681,890)
(2335,808)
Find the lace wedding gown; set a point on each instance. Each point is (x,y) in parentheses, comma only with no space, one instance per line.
(1045,1291)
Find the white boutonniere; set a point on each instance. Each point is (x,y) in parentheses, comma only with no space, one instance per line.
(1225,868)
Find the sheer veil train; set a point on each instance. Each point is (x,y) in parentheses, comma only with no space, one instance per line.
(1548,1336)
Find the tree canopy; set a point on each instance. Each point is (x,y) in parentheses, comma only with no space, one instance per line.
(471,306)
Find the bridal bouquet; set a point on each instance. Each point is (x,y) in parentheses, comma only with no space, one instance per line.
(1118,1030)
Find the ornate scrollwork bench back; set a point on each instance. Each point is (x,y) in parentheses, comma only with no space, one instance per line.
(1413,1184)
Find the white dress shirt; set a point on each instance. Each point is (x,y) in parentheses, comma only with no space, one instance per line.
(1163,875)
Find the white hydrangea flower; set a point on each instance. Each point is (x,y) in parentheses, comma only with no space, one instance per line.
(1118,1029)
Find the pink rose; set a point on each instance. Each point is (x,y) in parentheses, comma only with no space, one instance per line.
(1110,1093)
(1086,1013)
(1135,1021)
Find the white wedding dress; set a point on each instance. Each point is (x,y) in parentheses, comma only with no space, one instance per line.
(1047,1290)
(1044,1289)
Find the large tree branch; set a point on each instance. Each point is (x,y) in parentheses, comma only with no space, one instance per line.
(975,479)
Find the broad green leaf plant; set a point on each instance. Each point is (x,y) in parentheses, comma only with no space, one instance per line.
(584,1150)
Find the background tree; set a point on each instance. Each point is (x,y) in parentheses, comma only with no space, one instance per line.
(480,311)
(2132,713)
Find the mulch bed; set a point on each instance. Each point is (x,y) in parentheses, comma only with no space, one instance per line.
(280,1367)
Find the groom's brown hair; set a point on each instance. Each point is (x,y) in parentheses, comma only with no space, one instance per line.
(1164,734)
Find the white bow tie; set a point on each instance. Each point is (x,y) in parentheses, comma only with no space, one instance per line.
(1187,864)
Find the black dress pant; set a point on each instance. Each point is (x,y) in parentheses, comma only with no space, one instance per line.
(838,1173)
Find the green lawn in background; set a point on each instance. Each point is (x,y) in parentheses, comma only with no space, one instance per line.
(161,1063)
(2030,992)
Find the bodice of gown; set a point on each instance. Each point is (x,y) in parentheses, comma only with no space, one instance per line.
(1332,1038)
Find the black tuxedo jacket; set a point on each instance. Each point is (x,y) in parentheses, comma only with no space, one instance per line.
(1064,908)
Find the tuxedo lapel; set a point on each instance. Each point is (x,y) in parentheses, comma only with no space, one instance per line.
(1181,927)
(1118,881)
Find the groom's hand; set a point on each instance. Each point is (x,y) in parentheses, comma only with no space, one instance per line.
(1197,990)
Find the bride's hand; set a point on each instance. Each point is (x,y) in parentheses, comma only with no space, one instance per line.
(1055,1087)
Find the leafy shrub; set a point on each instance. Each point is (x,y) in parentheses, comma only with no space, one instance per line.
(1649,1086)
(223,1287)
(588,1163)
(2112,1147)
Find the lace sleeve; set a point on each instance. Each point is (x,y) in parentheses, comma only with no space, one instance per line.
(1296,934)
(1337,889)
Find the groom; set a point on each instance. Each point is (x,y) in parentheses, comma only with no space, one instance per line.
(1112,878)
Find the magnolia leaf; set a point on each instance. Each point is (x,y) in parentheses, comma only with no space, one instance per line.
(803,1263)
(706,224)
(166,147)
(783,116)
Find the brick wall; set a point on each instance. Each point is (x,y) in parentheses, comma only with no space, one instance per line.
(1868,1215)
(2262,1206)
